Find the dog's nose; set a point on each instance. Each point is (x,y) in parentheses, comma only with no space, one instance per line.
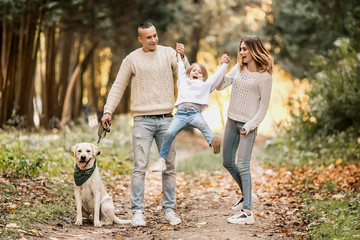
(83,157)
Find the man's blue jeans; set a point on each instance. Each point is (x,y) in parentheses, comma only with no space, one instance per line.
(146,128)
(243,145)
(182,119)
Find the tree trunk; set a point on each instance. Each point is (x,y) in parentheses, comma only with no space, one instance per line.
(67,40)
(8,69)
(49,119)
(26,62)
(196,36)
(78,71)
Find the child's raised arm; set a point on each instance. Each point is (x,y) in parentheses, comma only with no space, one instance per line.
(178,56)
(224,59)
(217,78)
(180,51)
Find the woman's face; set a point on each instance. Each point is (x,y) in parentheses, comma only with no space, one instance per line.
(245,54)
(196,73)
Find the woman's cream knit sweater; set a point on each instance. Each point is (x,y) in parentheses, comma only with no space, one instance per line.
(250,96)
(152,82)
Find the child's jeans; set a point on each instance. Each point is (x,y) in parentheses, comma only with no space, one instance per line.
(182,119)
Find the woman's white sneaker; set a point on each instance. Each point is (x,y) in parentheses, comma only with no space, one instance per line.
(242,218)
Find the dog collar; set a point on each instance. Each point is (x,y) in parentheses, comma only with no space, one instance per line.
(80,176)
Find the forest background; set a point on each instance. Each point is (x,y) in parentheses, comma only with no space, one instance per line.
(59,59)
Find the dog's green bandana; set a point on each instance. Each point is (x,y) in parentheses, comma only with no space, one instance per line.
(81,176)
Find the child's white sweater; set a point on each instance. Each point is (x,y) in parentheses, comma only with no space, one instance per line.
(196,90)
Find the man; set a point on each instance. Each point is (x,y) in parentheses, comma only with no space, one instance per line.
(150,70)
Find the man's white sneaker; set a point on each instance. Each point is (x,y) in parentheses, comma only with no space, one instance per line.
(242,218)
(239,204)
(172,218)
(159,165)
(138,219)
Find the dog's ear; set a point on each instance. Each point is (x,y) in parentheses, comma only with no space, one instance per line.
(96,149)
(73,149)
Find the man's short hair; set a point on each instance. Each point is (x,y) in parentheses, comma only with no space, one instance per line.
(145,25)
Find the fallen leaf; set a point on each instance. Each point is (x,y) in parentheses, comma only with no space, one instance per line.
(338,196)
(338,161)
(12,225)
(201,223)
(35,232)
(10,206)
(163,228)
(284,231)
(261,214)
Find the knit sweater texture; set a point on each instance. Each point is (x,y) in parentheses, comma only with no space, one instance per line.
(250,96)
(196,90)
(152,81)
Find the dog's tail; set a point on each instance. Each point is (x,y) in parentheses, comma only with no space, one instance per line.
(121,221)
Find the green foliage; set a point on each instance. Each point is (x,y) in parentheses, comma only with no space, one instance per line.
(300,29)
(328,127)
(335,98)
(333,219)
(28,155)
(15,163)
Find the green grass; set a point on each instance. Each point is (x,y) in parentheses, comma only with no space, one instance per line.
(333,219)
(25,203)
(202,161)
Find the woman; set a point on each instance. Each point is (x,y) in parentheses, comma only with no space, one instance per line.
(251,88)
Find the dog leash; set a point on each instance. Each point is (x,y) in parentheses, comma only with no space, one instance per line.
(103,129)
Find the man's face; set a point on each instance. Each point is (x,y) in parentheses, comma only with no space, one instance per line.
(148,39)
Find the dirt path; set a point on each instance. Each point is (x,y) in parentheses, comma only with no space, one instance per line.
(203,203)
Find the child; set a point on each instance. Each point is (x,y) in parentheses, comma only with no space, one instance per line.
(194,88)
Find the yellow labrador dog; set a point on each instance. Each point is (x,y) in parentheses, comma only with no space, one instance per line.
(91,199)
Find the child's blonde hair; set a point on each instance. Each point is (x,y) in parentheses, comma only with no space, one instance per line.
(202,68)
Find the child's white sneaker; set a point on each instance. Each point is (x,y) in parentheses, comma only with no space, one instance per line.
(159,165)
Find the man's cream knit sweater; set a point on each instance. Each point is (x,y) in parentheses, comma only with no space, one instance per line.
(152,82)
(250,96)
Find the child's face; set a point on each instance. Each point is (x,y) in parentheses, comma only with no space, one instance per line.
(195,73)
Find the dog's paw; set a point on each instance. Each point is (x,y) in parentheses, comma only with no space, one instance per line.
(78,222)
(97,224)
